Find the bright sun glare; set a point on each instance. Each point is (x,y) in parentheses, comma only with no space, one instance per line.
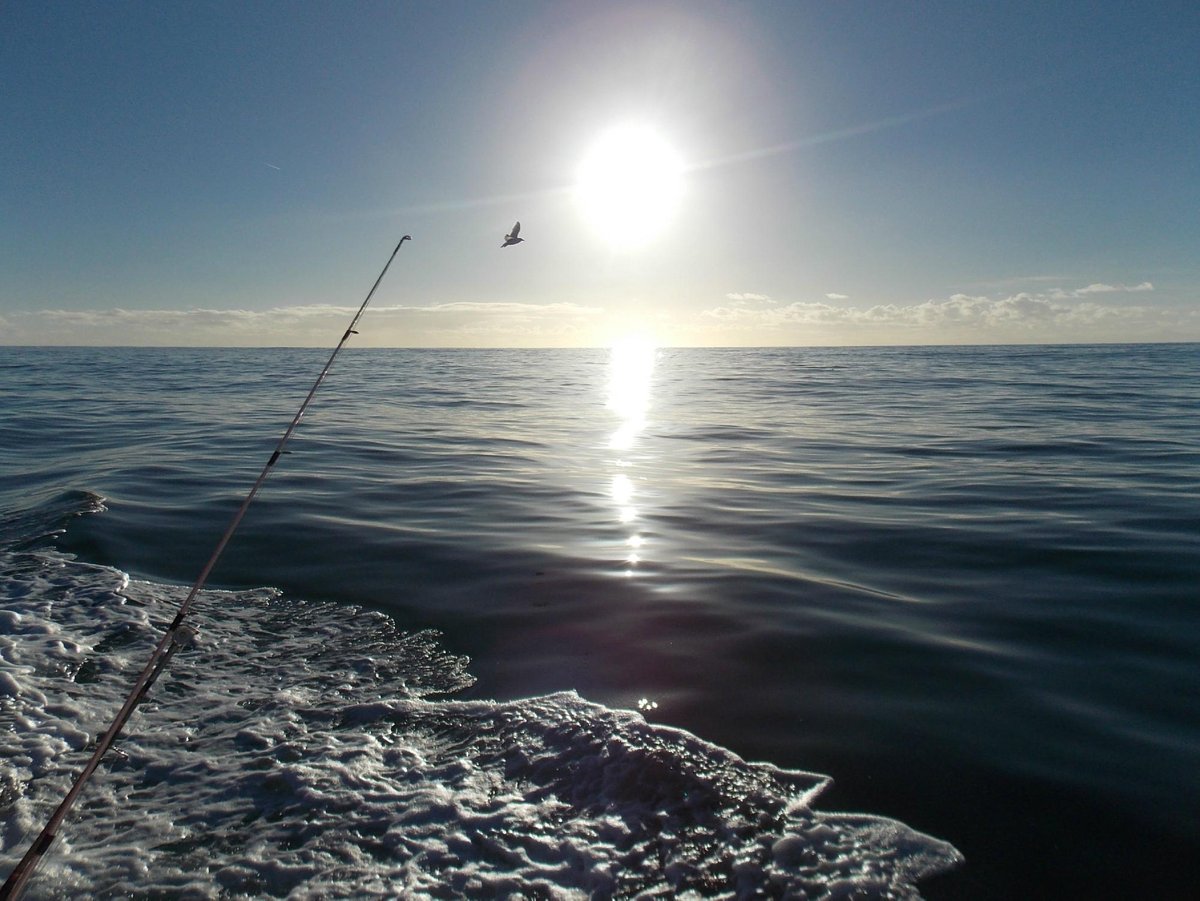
(629,185)
(631,367)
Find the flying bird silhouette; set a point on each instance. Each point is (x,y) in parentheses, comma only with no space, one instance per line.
(511,237)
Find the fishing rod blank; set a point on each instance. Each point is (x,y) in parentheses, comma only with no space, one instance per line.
(177,635)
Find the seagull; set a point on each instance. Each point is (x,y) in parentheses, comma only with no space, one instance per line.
(512,238)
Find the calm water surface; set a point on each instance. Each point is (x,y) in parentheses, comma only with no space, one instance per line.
(960,581)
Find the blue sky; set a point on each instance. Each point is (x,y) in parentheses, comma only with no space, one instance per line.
(853,173)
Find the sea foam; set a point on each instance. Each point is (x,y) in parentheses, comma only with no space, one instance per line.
(311,750)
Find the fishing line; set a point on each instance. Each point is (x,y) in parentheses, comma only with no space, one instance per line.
(178,634)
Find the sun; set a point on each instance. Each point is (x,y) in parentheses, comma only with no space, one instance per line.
(629,185)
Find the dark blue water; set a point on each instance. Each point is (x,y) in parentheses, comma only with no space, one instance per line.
(961,581)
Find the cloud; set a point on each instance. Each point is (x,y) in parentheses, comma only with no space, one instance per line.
(1094,313)
(1110,289)
(962,318)
(506,323)
(501,309)
(1035,283)
(746,297)
(1098,288)
(445,324)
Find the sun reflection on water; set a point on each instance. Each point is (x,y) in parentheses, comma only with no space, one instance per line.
(631,368)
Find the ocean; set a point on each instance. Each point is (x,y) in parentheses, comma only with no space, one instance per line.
(789,622)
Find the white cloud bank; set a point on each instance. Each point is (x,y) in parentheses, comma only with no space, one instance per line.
(1094,313)
(436,325)
(1055,316)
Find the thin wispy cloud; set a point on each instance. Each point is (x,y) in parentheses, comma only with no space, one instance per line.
(837,296)
(468,203)
(1039,284)
(841,134)
(1112,289)
(746,297)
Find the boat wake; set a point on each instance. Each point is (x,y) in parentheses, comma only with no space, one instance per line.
(310,749)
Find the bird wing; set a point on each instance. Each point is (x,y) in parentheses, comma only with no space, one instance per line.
(516,230)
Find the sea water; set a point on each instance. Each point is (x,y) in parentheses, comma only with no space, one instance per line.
(589,623)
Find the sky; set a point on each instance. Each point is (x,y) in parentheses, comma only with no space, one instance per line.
(791,173)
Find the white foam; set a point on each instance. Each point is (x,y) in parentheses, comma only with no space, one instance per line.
(308,750)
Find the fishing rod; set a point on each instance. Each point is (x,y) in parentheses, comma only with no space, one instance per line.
(178,635)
